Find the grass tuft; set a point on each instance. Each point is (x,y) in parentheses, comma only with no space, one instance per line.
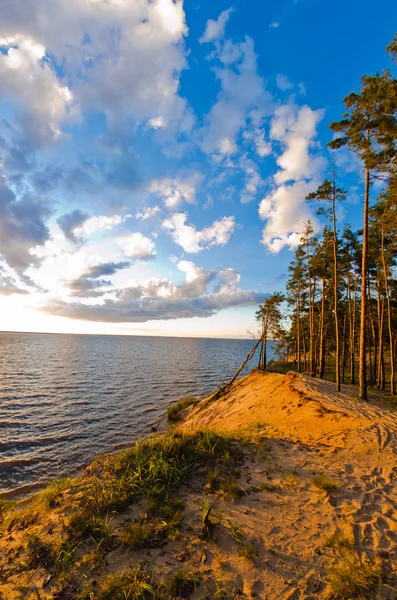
(181,584)
(247,551)
(40,552)
(137,535)
(230,486)
(174,411)
(5,507)
(353,579)
(324,483)
(340,542)
(134,584)
(49,497)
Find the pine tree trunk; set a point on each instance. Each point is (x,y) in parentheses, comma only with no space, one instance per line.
(335,247)
(389,317)
(264,353)
(381,312)
(343,349)
(353,338)
(373,371)
(363,393)
(322,333)
(298,324)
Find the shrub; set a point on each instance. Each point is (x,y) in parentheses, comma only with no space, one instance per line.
(173,411)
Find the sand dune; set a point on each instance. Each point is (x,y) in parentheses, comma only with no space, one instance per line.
(311,429)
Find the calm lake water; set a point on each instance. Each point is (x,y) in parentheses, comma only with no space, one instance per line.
(65,399)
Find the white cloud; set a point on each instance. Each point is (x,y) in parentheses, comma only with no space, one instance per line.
(283,83)
(124,58)
(285,211)
(95,224)
(148,213)
(157,123)
(42,104)
(253,180)
(137,246)
(215,30)
(175,191)
(274,25)
(242,91)
(193,240)
(159,298)
(295,128)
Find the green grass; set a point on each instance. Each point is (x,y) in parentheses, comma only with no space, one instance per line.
(82,533)
(5,507)
(340,542)
(230,486)
(163,519)
(134,584)
(351,578)
(181,584)
(267,486)
(83,524)
(151,468)
(324,483)
(49,497)
(290,481)
(173,411)
(137,584)
(213,477)
(137,535)
(247,551)
(40,552)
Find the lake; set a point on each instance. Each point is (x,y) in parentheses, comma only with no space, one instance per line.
(65,399)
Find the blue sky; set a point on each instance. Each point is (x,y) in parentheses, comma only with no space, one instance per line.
(155,156)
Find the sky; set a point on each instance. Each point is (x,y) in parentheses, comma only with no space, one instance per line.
(155,155)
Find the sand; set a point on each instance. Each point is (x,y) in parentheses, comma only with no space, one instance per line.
(292,428)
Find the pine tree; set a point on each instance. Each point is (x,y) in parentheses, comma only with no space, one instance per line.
(328,192)
(269,317)
(369,129)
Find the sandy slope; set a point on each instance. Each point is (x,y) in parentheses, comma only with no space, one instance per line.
(311,429)
(294,428)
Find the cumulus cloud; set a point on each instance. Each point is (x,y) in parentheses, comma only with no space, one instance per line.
(94,224)
(242,93)
(124,58)
(89,284)
(9,285)
(69,222)
(285,209)
(162,299)
(148,213)
(137,246)
(283,83)
(176,190)
(253,180)
(193,240)
(295,127)
(285,212)
(77,225)
(22,226)
(214,30)
(28,78)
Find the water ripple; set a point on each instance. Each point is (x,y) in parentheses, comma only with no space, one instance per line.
(65,399)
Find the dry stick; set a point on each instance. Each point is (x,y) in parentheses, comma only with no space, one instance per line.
(221,390)
(249,356)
